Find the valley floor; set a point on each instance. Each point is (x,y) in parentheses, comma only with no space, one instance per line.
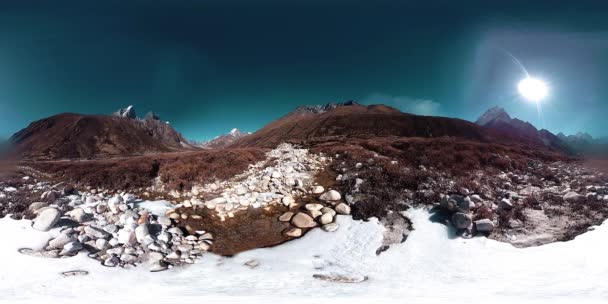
(428,268)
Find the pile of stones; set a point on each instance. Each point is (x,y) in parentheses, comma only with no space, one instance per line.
(115,231)
(316,214)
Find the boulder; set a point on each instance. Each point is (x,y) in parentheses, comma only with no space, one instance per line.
(343,208)
(46,219)
(461,220)
(484,225)
(331,195)
(303,220)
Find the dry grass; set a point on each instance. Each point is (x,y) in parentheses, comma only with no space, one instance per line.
(178,170)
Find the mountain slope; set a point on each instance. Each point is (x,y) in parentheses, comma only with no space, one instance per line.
(72,136)
(351,120)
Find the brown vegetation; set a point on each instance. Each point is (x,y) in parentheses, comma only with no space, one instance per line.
(178,170)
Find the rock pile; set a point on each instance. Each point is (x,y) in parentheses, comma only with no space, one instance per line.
(115,231)
(316,214)
(284,176)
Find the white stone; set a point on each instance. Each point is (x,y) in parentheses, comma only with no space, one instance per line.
(343,208)
(141,232)
(287,200)
(326,219)
(127,237)
(331,195)
(331,227)
(318,189)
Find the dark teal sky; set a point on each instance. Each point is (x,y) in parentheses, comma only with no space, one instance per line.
(210,66)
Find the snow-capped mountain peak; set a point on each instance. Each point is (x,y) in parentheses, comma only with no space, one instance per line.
(493,114)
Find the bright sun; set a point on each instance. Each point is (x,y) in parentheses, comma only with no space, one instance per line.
(533,89)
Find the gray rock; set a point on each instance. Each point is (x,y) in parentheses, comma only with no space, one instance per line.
(505,204)
(37,206)
(112,261)
(111,228)
(303,220)
(96,232)
(484,225)
(46,219)
(71,248)
(128,258)
(574,197)
(343,208)
(461,220)
(60,241)
(331,195)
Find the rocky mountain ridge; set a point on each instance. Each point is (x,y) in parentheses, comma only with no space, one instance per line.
(69,136)
(497,118)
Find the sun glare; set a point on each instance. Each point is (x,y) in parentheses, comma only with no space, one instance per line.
(533,89)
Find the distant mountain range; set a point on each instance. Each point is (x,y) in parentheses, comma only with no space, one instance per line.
(498,119)
(222,141)
(579,144)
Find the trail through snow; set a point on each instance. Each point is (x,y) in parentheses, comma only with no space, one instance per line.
(429,267)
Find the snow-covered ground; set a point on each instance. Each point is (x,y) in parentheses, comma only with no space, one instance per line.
(431,267)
